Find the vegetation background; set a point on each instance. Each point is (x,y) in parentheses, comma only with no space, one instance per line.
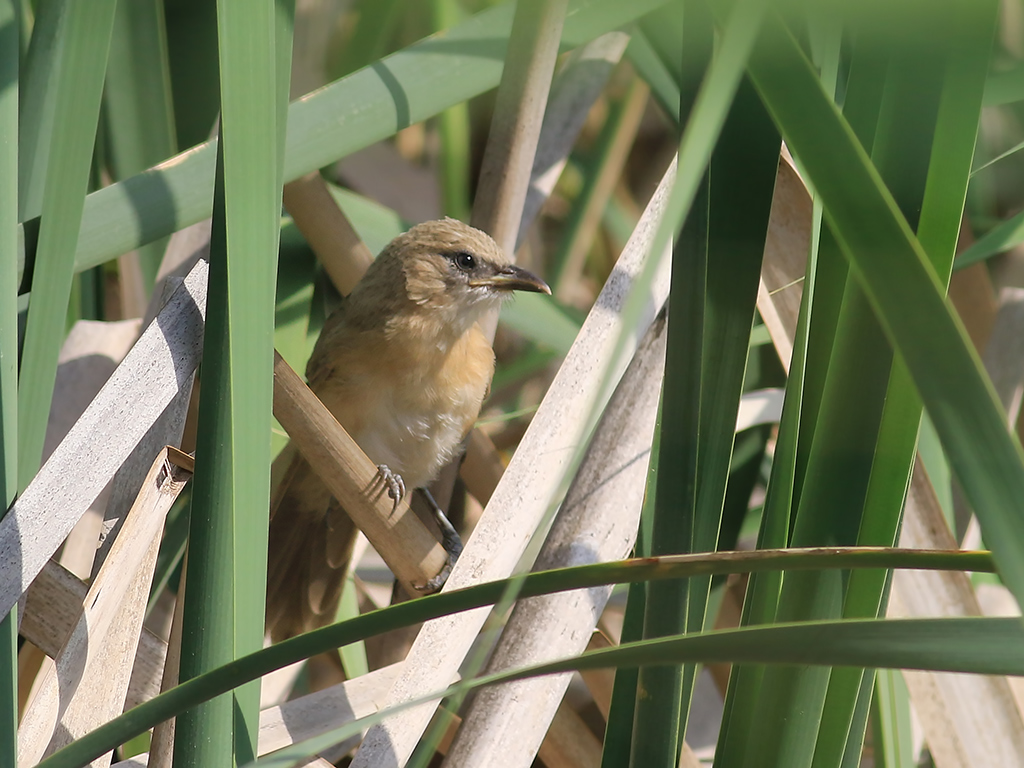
(841,368)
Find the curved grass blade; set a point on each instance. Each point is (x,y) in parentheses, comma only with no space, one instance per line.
(254,665)
(978,646)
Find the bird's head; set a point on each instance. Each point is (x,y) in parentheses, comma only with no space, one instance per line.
(444,270)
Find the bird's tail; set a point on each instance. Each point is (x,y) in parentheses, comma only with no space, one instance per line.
(310,545)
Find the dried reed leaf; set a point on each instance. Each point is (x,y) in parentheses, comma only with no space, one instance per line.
(597,523)
(763,406)
(53,604)
(787,244)
(569,743)
(603,186)
(325,710)
(90,678)
(1004,353)
(482,469)
(600,681)
(148,379)
(407,546)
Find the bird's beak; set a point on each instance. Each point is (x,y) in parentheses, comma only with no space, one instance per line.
(513,278)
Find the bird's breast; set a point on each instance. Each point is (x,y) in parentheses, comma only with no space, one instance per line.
(412,411)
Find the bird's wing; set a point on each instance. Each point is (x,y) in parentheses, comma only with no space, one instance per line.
(335,338)
(310,545)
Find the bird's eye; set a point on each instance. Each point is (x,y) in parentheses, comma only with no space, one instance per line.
(464,261)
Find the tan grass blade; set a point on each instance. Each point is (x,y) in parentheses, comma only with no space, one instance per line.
(1004,353)
(87,687)
(161,744)
(184,250)
(569,742)
(482,469)
(600,682)
(762,406)
(529,485)
(53,604)
(609,176)
(786,246)
(325,710)
(88,356)
(131,286)
(597,523)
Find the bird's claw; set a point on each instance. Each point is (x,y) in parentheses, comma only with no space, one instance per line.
(435,584)
(450,540)
(394,483)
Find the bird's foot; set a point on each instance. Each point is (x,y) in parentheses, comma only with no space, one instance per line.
(394,483)
(450,539)
(435,584)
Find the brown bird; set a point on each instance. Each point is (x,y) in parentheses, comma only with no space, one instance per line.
(404,366)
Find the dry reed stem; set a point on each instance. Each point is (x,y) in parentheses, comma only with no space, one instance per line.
(482,469)
(516,123)
(575,89)
(413,554)
(569,743)
(604,185)
(328,231)
(161,746)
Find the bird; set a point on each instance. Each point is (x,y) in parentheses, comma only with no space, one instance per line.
(404,367)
